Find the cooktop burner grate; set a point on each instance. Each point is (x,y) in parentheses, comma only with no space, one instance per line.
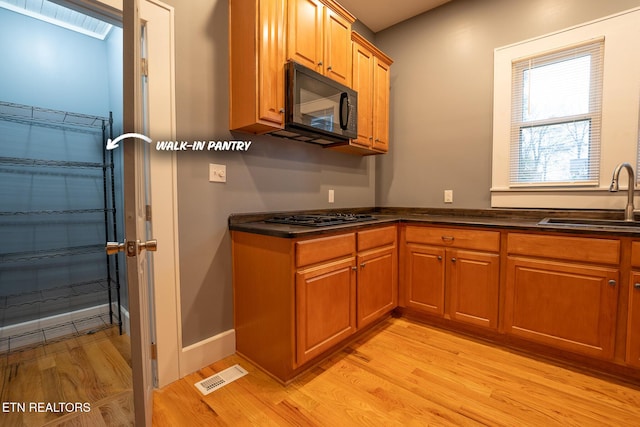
(320,220)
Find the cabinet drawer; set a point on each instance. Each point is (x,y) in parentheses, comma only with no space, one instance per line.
(584,249)
(376,237)
(324,249)
(454,237)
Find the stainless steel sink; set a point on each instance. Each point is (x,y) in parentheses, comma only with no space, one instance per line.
(590,223)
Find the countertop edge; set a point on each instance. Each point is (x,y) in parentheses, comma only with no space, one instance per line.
(502,219)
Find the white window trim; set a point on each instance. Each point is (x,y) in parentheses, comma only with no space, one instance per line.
(620,113)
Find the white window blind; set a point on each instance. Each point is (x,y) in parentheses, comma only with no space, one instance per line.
(556,116)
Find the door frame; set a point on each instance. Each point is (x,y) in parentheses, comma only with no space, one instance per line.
(163,178)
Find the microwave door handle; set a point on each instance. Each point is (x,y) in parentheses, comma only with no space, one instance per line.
(344,115)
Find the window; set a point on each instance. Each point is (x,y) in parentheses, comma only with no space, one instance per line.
(557,139)
(555,120)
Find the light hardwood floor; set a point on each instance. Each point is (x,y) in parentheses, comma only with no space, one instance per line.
(406,374)
(94,369)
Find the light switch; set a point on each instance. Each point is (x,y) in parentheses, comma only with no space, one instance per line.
(217,173)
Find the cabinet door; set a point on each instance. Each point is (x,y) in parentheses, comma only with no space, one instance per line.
(565,305)
(337,52)
(363,84)
(473,287)
(305,33)
(377,289)
(380,106)
(424,278)
(271,61)
(633,321)
(325,307)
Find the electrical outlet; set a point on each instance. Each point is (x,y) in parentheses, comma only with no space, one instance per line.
(331,196)
(217,173)
(448,196)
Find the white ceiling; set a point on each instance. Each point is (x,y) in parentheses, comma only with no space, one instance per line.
(381,14)
(52,13)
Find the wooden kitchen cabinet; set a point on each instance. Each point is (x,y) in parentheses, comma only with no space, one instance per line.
(256,65)
(563,291)
(371,69)
(377,279)
(295,299)
(319,37)
(633,315)
(325,307)
(452,272)
(325,294)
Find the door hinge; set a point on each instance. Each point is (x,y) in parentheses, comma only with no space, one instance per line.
(154,352)
(147,213)
(144,64)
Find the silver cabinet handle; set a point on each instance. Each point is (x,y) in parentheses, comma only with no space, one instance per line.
(453,260)
(612,282)
(362,265)
(320,63)
(281,110)
(354,268)
(439,258)
(636,285)
(329,68)
(448,238)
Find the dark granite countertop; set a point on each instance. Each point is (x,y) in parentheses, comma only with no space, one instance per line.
(519,219)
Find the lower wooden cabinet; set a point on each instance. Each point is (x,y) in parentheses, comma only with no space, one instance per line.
(632,356)
(295,299)
(423,283)
(325,307)
(473,287)
(450,281)
(377,281)
(556,299)
(633,322)
(564,305)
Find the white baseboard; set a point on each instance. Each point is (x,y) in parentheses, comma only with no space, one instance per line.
(63,318)
(206,352)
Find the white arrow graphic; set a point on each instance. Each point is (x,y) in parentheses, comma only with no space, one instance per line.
(114,144)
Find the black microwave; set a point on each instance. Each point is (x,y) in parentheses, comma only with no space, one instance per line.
(318,109)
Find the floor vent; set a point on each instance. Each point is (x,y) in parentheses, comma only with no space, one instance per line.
(220,379)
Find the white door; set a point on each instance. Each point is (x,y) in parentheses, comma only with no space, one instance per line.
(149,111)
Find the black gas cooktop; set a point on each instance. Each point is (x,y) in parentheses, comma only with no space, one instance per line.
(320,220)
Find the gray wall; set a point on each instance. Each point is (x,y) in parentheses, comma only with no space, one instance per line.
(441,93)
(275,175)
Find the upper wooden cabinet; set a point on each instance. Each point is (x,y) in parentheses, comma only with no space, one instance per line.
(371,70)
(256,65)
(319,37)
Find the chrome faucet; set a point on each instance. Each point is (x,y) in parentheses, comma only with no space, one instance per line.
(628,211)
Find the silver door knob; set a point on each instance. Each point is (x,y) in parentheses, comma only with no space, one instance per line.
(131,248)
(113,248)
(149,245)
